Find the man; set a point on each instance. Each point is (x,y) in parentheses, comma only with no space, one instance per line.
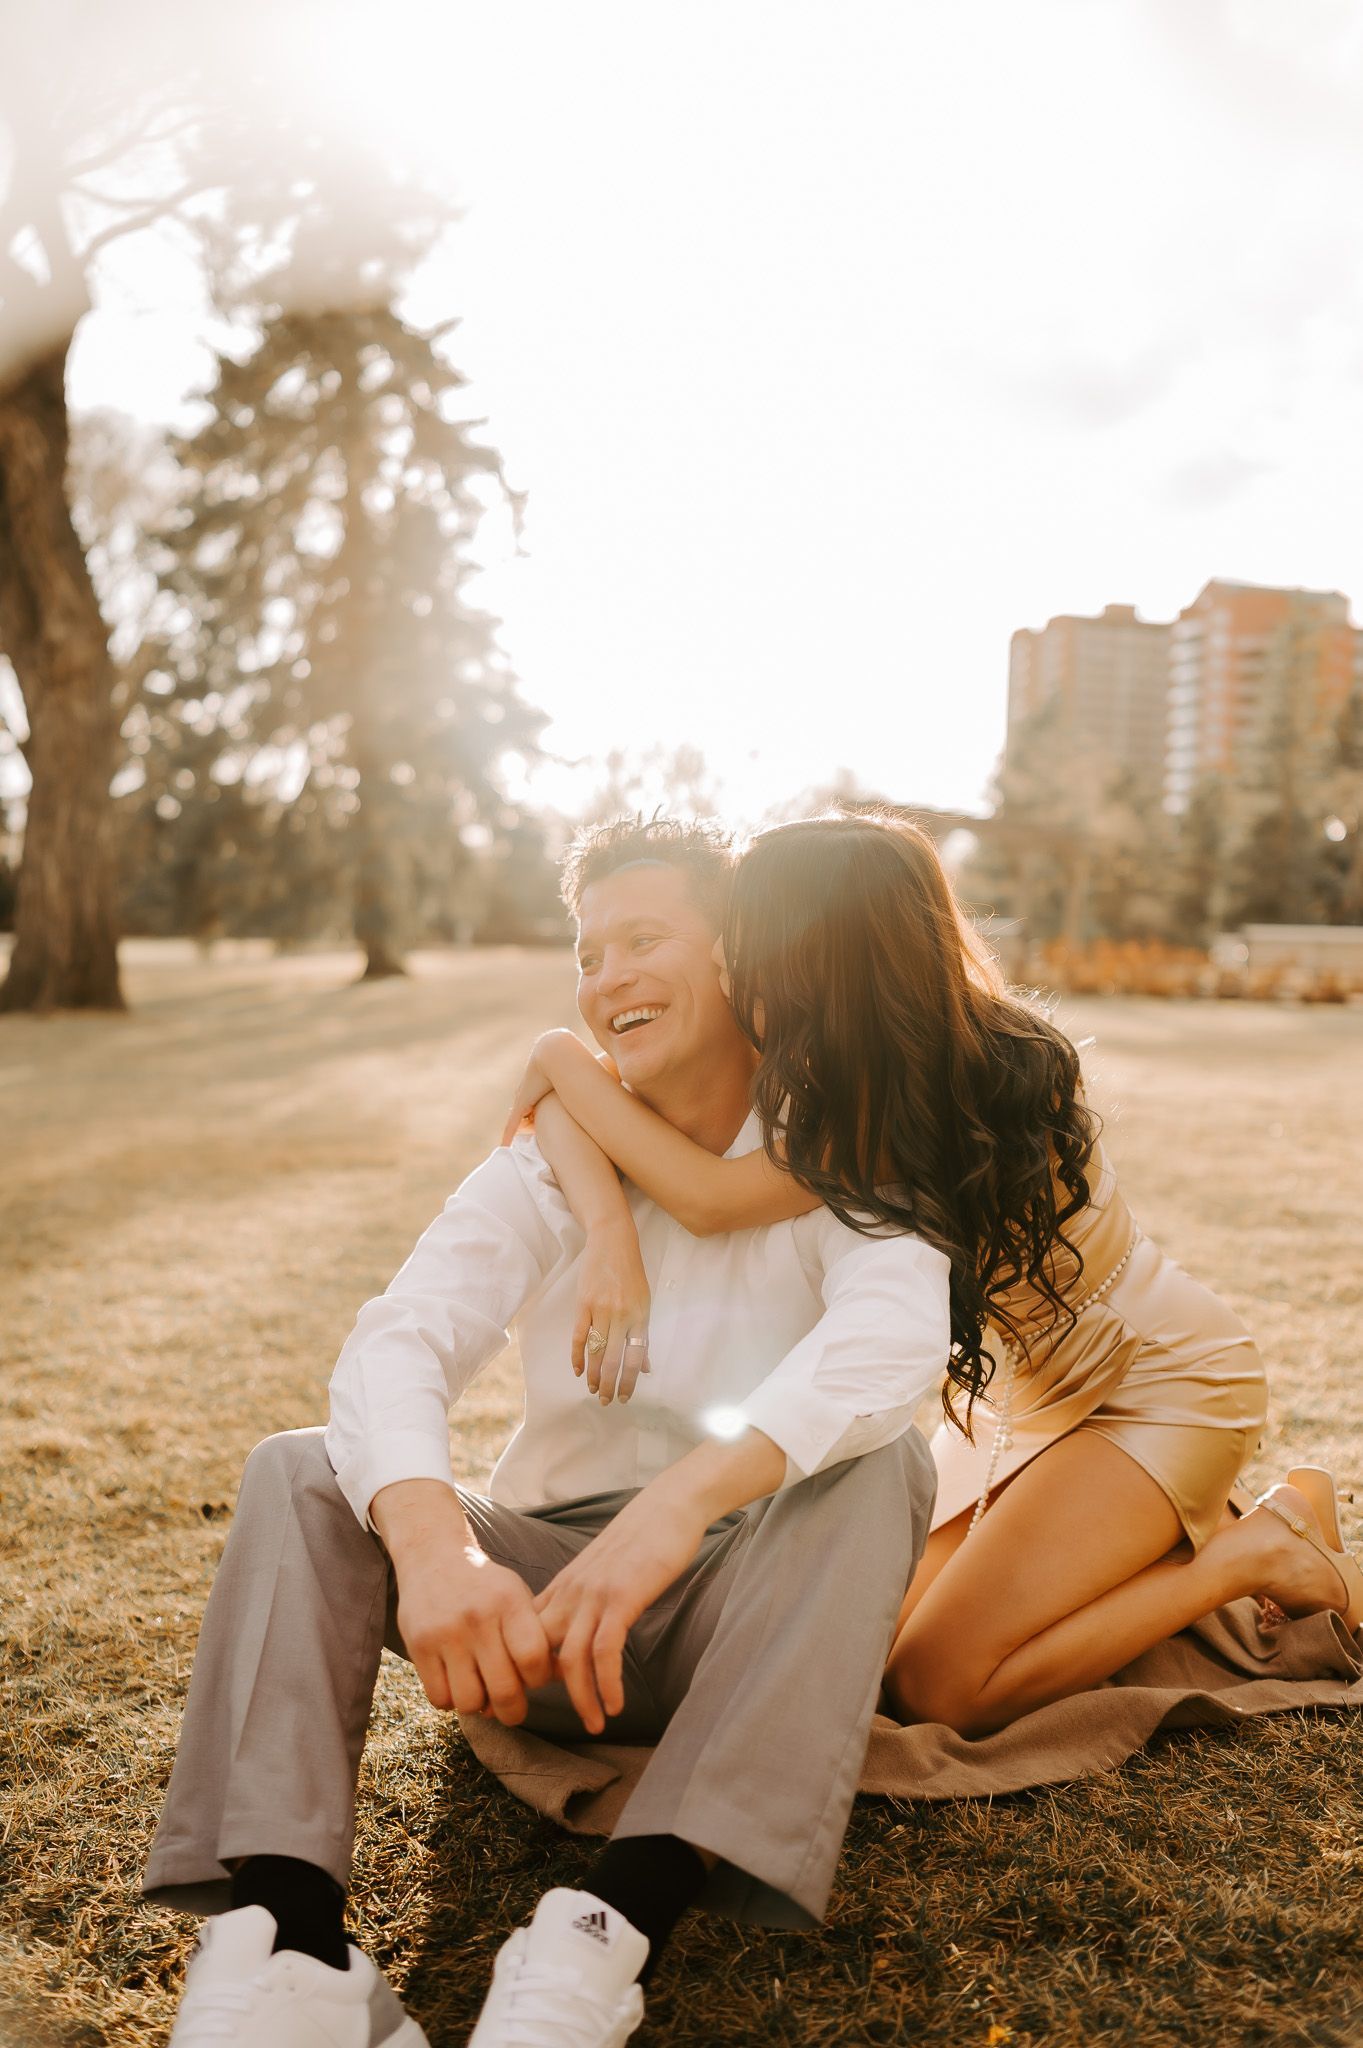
(715,1566)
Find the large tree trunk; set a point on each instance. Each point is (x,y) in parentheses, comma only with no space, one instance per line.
(65,938)
(377,915)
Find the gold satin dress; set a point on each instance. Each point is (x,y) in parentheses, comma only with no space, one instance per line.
(1155,1363)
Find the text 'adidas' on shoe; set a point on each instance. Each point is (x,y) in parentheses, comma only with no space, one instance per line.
(568,1980)
(240,1994)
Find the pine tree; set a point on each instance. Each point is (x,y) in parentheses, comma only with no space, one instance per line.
(320,570)
(129,131)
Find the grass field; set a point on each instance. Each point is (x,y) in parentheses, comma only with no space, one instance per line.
(196,1199)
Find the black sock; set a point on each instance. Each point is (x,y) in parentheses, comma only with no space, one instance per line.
(307,1904)
(651,1879)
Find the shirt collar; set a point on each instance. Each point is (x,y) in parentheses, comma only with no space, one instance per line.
(749,1138)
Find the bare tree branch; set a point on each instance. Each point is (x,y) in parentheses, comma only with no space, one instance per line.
(128,200)
(117,150)
(161,210)
(100,160)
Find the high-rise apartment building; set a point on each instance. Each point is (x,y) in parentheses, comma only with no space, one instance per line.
(1105,681)
(1237,652)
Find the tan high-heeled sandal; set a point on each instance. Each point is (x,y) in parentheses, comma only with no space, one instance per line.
(1345,1564)
(1318,1484)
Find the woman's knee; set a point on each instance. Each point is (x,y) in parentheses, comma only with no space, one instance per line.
(929,1683)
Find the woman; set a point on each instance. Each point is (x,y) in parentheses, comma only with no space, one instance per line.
(1099,1403)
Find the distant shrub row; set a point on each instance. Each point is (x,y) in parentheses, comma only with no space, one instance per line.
(1137,967)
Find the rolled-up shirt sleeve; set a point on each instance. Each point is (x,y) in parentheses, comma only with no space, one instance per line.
(881,1345)
(417,1346)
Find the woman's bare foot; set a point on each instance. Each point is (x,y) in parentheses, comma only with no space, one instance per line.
(1280,1566)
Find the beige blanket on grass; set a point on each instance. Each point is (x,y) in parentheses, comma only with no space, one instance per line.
(1224,1670)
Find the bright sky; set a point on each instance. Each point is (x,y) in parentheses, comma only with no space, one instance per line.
(834,339)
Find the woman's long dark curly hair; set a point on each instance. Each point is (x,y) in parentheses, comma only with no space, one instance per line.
(898,1078)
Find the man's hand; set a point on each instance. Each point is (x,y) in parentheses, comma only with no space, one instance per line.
(593,1603)
(469,1625)
(590,1607)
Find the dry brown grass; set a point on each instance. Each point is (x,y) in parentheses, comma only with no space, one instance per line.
(200,1194)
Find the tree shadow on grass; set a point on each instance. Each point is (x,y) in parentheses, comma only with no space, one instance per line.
(256,1029)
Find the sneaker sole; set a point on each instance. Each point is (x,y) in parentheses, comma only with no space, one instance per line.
(408,2035)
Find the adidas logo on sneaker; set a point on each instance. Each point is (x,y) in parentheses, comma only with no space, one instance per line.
(550,1991)
(593,1924)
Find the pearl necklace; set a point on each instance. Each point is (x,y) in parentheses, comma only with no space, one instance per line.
(1003,1434)
(1014,1356)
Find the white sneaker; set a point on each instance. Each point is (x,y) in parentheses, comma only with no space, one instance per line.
(239,1994)
(567,1980)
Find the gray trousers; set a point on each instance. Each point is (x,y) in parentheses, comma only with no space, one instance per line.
(756,1674)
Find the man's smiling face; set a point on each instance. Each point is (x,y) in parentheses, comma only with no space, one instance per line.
(648,987)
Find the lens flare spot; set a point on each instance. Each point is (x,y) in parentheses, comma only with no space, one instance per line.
(725,1423)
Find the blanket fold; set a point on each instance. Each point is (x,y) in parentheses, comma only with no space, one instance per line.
(1227,1668)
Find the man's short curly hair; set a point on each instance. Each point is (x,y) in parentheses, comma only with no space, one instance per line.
(700,847)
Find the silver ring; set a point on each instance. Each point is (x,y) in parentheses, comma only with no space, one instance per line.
(635,1340)
(595,1341)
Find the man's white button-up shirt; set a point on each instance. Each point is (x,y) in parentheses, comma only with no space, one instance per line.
(824,1339)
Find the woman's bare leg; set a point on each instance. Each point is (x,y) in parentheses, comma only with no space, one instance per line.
(1076,1568)
(942,1546)
(938,1552)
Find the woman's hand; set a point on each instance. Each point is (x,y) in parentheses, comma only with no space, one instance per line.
(532,1087)
(612,1300)
(546,1059)
(610,1330)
